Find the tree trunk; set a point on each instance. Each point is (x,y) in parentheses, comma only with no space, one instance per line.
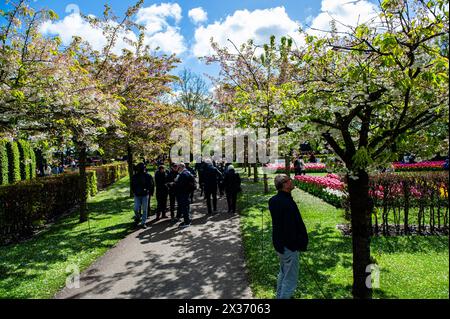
(82,167)
(130,165)
(266,184)
(255,173)
(249,170)
(361,226)
(287,165)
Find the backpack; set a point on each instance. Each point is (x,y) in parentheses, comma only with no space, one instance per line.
(192,184)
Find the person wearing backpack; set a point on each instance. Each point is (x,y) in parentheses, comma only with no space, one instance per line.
(184,184)
(232,185)
(143,187)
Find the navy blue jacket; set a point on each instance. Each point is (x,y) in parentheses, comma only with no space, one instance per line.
(142,184)
(182,183)
(211,176)
(288,229)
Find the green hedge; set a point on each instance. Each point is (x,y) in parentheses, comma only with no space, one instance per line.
(26,204)
(108,174)
(12,150)
(3,163)
(29,203)
(24,159)
(32,163)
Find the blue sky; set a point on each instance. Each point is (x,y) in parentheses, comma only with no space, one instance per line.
(176,29)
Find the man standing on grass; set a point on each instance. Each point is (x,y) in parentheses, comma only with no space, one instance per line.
(142,187)
(289,235)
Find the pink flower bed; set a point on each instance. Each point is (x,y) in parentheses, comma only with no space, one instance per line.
(428,165)
(322,182)
(309,167)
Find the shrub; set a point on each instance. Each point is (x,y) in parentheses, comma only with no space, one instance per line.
(25,204)
(32,165)
(13,162)
(3,163)
(24,159)
(108,174)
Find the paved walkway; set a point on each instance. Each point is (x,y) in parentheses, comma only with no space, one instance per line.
(205,260)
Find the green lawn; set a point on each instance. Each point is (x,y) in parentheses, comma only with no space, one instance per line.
(410,267)
(37,268)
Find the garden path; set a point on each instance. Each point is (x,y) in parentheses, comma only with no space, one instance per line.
(205,260)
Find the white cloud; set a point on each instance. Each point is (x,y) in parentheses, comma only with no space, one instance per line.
(160,23)
(155,17)
(345,12)
(198,15)
(74,25)
(243,25)
(159,30)
(170,41)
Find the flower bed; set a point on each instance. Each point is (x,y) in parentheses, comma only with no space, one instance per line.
(414,201)
(422,166)
(329,188)
(398,199)
(309,168)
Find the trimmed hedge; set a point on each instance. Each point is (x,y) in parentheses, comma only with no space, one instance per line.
(32,163)
(27,204)
(12,150)
(108,174)
(24,159)
(3,163)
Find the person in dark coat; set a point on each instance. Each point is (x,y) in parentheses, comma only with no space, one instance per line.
(232,185)
(211,175)
(289,235)
(200,167)
(170,182)
(193,173)
(299,166)
(161,191)
(220,184)
(143,187)
(183,188)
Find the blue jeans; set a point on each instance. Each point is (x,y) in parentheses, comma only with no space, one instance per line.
(288,276)
(141,202)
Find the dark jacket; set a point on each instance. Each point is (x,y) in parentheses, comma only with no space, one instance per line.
(160,181)
(211,176)
(170,178)
(232,181)
(142,184)
(288,229)
(182,183)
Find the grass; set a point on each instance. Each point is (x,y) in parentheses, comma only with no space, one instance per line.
(410,266)
(37,268)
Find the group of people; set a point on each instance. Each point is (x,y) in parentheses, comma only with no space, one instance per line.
(289,235)
(179,184)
